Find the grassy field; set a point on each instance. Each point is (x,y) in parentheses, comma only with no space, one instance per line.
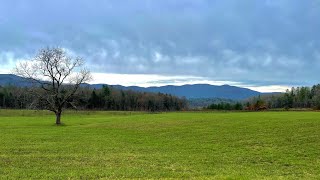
(198,145)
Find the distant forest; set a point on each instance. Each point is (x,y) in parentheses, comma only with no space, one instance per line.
(106,98)
(299,98)
(109,98)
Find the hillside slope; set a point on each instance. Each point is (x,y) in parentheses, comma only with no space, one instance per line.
(188,91)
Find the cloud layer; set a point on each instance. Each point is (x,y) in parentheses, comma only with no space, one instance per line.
(267,42)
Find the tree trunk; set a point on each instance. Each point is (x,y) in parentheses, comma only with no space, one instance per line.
(58,118)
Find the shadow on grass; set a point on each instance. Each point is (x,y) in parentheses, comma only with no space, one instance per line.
(59,125)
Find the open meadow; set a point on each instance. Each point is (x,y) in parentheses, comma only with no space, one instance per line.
(199,145)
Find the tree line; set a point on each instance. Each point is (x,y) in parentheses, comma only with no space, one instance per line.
(296,97)
(226,106)
(299,97)
(109,98)
(106,98)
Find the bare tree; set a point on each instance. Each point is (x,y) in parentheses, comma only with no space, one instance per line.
(57,76)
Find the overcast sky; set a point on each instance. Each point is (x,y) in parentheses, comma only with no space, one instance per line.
(267,45)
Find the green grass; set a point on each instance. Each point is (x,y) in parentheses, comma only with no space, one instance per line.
(197,145)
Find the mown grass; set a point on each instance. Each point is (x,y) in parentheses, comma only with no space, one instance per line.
(189,145)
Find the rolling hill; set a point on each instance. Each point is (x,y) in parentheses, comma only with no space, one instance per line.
(188,91)
(196,91)
(13,80)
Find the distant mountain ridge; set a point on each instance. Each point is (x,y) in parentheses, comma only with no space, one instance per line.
(13,80)
(195,91)
(188,91)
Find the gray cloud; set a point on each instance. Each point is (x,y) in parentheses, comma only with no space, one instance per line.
(250,41)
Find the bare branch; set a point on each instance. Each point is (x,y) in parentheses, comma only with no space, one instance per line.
(57,76)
